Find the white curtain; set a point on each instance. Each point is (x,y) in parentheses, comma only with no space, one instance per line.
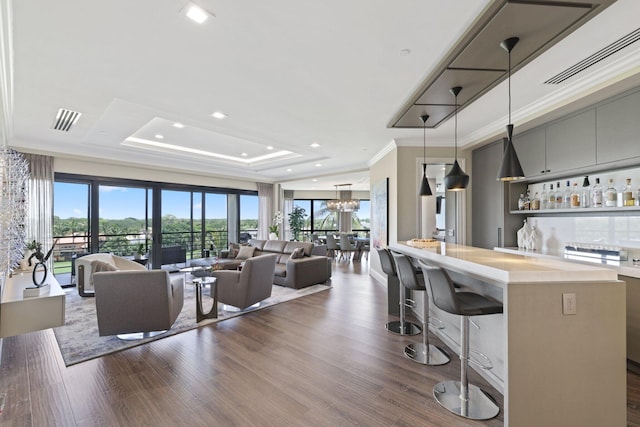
(265,209)
(286,210)
(40,205)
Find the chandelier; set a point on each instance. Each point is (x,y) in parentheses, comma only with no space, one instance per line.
(343,205)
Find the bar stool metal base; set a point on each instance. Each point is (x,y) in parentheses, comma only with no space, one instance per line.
(409,328)
(434,356)
(479,406)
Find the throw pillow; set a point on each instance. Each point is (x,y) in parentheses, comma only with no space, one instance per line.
(297,253)
(245,252)
(234,248)
(97,266)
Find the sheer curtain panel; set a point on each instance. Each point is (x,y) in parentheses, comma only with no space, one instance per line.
(40,205)
(265,209)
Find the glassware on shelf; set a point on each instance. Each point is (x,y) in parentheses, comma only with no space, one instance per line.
(551,198)
(611,195)
(521,202)
(585,199)
(527,202)
(558,196)
(574,201)
(544,198)
(627,194)
(566,196)
(596,195)
(535,203)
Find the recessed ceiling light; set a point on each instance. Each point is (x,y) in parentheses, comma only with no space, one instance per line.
(405,52)
(314,145)
(269,147)
(289,170)
(178,125)
(219,115)
(318,165)
(159,136)
(244,154)
(196,13)
(314,180)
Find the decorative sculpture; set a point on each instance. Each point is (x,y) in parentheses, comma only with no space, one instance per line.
(42,259)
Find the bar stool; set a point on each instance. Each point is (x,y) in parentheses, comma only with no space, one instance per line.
(401,326)
(460,397)
(425,353)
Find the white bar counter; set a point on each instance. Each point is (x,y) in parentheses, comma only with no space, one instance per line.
(553,369)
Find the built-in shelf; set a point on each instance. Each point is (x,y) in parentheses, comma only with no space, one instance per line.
(577,210)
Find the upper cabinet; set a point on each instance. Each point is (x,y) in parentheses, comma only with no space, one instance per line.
(571,143)
(532,153)
(618,129)
(562,146)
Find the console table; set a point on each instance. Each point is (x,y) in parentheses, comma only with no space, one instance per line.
(19,314)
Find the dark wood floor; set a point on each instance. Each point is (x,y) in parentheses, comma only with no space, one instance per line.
(322,360)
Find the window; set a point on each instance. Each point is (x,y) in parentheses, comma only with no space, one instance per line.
(195,218)
(248,216)
(320,219)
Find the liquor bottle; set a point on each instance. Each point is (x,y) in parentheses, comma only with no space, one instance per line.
(566,196)
(597,194)
(575,196)
(521,202)
(527,201)
(544,198)
(611,195)
(558,196)
(551,202)
(627,194)
(535,203)
(585,200)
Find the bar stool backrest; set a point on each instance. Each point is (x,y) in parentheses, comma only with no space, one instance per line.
(386,262)
(442,289)
(407,273)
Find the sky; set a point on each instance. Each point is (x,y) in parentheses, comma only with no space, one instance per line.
(71,200)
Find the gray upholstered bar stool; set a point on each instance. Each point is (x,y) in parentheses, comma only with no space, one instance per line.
(400,326)
(425,353)
(460,397)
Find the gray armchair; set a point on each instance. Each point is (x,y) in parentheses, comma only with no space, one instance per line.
(245,288)
(137,304)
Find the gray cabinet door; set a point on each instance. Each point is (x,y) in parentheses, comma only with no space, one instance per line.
(530,148)
(487,197)
(618,129)
(571,143)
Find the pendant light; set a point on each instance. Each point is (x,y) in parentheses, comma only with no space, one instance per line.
(425,189)
(456,179)
(510,170)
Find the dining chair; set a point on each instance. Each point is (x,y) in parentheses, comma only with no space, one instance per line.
(332,245)
(346,247)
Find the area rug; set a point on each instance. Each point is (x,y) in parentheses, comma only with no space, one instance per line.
(79,341)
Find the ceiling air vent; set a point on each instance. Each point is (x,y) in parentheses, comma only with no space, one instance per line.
(603,53)
(65,119)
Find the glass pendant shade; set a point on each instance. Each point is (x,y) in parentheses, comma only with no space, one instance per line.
(510,169)
(456,179)
(425,189)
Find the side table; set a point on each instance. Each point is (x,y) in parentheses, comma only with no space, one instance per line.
(199,282)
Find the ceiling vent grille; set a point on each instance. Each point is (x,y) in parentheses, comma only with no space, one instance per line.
(603,53)
(65,119)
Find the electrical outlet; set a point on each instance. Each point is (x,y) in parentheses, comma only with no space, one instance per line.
(569,304)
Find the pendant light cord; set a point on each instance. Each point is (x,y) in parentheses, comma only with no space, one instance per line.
(424,142)
(455,130)
(509,84)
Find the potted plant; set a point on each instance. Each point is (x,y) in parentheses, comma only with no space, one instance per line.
(138,254)
(296,221)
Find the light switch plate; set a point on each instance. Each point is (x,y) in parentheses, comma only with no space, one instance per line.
(569,304)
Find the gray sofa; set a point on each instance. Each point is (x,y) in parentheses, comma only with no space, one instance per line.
(294,273)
